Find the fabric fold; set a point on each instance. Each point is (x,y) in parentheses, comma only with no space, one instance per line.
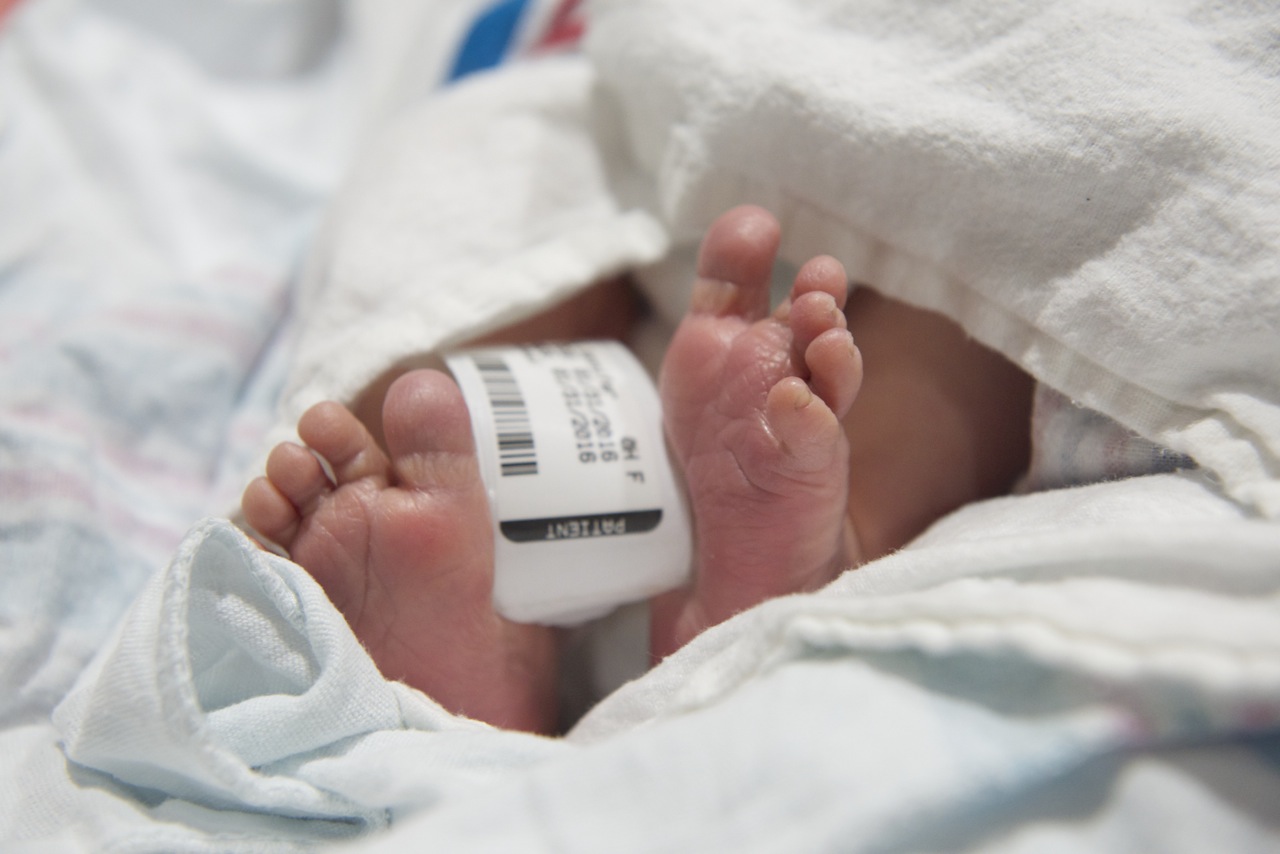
(231,659)
(1095,202)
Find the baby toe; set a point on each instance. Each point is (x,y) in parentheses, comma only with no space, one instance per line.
(835,369)
(822,274)
(429,432)
(811,316)
(269,513)
(804,426)
(735,264)
(298,476)
(333,432)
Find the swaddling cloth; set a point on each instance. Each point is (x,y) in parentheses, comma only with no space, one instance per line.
(586,508)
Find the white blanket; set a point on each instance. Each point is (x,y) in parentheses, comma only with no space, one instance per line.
(1094,668)
(1096,202)
(1089,188)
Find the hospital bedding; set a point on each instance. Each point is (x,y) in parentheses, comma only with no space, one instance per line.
(191,230)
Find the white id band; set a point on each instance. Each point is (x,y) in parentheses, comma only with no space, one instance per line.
(587,511)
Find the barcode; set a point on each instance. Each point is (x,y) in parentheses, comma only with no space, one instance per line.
(516,454)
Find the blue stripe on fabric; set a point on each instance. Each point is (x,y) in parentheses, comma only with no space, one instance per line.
(489,39)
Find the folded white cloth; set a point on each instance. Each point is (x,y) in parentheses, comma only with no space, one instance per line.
(1096,202)
(984,680)
(233,684)
(472,210)
(1090,188)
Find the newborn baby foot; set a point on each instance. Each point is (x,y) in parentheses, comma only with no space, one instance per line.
(403,546)
(753,404)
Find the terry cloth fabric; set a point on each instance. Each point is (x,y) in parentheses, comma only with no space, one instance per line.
(472,210)
(1090,188)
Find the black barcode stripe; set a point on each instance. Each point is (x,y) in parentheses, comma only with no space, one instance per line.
(516,453)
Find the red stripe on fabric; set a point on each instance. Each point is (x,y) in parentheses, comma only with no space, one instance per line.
(6,6)
(566,27)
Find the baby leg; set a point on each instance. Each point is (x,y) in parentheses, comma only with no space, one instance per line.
(940,421)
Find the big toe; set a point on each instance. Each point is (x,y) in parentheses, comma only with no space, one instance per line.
(735,264)
(428,432)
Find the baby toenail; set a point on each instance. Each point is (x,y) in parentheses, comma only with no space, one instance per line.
(804,398)
(713,296)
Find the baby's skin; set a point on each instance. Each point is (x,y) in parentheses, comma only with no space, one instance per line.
(753,403)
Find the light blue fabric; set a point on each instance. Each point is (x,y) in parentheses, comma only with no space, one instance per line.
(145,260)
(234,685)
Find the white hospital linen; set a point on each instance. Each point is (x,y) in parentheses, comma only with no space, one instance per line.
(144,269)
(1086,190)
(233,679)
(997,684)
(474,209)
(1091,188)
(1096,202)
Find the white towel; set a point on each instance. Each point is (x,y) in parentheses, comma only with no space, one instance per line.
(1091,188)
(473,210)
